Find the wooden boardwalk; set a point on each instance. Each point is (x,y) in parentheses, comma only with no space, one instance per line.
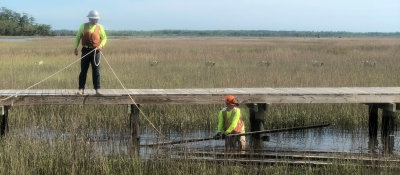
(256,99)
(363,95)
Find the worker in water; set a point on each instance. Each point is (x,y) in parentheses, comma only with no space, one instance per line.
(93,39)
(230,122)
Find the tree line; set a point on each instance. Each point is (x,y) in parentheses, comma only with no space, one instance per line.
(16,24)
(235,33)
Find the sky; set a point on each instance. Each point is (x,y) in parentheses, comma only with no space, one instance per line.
(278,15)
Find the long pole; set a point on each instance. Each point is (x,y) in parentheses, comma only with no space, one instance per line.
(240,134)
(281,130)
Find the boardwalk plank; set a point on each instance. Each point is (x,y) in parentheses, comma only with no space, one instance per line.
(43,92)
(71,92)
(116,93)
(237,91)
(170,92)
(201,92)
(31,92)
(122,92)
(188,92)
(288,91)
(355,90)
(217,91)
(333,91)
(59,92)
(309,91)
(90,92)
(271,91)
(13,92)
(64,92)
(206,95)
(5,93)
(107,92)
(39,92)
(52,92)
(159,92)
(378,90)
(24,92)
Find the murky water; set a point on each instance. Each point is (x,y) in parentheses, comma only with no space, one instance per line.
(321,139)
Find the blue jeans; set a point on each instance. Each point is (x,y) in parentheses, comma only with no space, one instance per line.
(89,59)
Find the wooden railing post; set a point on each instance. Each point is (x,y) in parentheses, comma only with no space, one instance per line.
(373,121)
(388,119)
(257,118)
(4,120)
(135,125)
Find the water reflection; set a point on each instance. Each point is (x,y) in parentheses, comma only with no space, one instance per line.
(105,143)
(334,140)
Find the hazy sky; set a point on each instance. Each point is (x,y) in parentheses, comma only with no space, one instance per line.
(300,15)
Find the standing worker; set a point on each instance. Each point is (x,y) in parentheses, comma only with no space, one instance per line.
(230,122)
(94,38)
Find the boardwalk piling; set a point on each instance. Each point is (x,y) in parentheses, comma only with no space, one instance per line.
(388,120)
(135,125)
(388,144)
(373,121)
(4,120)
(257,118)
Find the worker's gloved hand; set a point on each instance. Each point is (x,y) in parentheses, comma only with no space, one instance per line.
(223,135)
(218,136)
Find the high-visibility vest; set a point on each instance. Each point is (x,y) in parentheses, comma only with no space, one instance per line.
(89,39)
(228,122)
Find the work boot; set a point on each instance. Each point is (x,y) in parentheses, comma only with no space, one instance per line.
(98,92)
(80,92)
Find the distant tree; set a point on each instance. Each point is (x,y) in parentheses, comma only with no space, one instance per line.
(15,24)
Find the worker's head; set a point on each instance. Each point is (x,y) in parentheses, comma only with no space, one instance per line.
(231,101)
(93,16)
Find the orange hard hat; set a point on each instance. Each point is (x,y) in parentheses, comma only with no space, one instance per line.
(230,99)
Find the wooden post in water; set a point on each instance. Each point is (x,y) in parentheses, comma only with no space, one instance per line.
(4,120)
(373,121)
(388,120)
(257,118)
(135,125)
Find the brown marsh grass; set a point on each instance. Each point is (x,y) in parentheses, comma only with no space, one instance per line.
(181,65)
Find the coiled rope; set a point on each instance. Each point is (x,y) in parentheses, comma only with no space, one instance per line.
(94,57)
(97,64)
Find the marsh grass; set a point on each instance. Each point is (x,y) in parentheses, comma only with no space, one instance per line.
(181,65)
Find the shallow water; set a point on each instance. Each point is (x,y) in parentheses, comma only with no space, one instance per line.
(104,143)
(323,140)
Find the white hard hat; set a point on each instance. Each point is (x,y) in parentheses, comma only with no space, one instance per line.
(93,14)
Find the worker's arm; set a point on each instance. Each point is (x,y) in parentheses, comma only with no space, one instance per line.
(78,36)
(103,36)
(220,121)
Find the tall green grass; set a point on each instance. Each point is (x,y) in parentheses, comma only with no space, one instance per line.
(181,65)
